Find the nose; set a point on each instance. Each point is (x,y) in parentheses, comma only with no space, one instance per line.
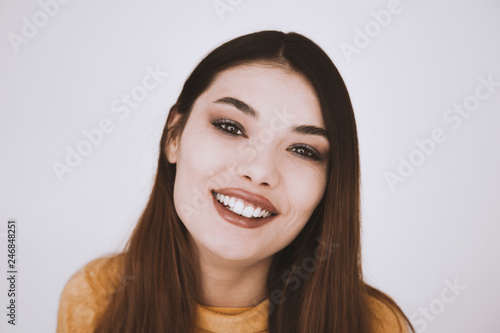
(260,168)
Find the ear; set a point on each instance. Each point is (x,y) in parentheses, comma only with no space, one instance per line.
(172,144)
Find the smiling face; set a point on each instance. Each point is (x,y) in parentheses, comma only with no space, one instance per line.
(256,135)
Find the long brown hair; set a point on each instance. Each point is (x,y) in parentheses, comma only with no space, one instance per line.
(161,293)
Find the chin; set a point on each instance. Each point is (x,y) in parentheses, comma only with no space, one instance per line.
(233,248)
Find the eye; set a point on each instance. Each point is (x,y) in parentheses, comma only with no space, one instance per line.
(306,151)
(228,127)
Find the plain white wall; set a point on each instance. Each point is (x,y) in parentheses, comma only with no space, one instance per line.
(436,227)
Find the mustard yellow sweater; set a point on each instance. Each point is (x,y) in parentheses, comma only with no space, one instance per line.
(87,293)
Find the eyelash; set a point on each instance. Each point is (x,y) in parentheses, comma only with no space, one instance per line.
(311,153)
(228,122)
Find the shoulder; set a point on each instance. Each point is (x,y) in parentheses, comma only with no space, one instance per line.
(386,318)
(87,293)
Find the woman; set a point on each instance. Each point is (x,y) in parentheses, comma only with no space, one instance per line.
(253,223)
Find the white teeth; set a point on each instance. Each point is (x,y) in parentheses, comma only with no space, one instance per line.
(247,212)
(239,208)
(256,212)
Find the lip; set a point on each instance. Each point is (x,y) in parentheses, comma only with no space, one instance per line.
(239,220)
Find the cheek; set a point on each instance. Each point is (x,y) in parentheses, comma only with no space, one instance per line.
(306,184)
(201,165)
(201,154)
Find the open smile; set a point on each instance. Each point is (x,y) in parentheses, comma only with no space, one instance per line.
(241,207)
(239,212)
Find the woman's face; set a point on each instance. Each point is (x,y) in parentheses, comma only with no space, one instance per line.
(257,136)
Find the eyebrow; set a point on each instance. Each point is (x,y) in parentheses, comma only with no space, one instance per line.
(240,105)
(311,130)
(248,110)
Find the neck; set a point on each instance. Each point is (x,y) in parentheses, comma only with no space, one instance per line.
(231,283)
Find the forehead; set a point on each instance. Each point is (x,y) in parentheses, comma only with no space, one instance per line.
(268,89)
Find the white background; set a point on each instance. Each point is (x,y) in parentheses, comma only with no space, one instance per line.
(439,225)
